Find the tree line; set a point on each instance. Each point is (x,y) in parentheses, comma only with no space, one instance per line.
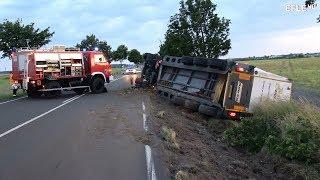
(16,35)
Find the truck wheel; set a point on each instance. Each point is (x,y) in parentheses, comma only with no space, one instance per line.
(52,85)
(218,64)
(178,100)
(79,91)
(208,110)
(97,86)
(190,104)
(187,60)
(200,62)
(33,93)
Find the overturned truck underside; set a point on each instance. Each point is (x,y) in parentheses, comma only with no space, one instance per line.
(218,87)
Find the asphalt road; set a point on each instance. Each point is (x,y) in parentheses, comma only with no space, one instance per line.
(75,137)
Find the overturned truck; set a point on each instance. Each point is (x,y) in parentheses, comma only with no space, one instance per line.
(218,87)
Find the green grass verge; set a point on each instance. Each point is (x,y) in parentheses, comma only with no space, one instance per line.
(303,71)
(287,129)
(116,71)
(5,88)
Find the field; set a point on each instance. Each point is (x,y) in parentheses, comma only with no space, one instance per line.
(116,70)
(304,72)
(5,91)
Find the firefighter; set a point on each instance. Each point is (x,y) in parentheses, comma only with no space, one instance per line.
(14,86)
(154,73)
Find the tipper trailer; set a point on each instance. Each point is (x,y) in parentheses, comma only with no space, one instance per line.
(49,72)
(219,87)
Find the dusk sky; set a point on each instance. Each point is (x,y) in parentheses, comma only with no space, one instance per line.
(259,27)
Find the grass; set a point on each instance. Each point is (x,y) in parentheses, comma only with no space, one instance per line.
(170,136)
(117,70)
(5,88)
(303,71)
(288,129)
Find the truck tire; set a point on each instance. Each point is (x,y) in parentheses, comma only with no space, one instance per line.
(208,110)
(97,85)
(178,100)
(200,62)
(32,93)
(218,64)
(52,85)
(192,105)
(187,60)
(79,91)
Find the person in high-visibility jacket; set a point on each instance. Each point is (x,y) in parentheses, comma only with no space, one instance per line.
(14,85)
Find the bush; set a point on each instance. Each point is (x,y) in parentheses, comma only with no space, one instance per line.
(288,129)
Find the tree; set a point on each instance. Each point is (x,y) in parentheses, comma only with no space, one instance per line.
(197,31)
(310,3)
(121,53)
(91,42)
(135,56)
(17,35)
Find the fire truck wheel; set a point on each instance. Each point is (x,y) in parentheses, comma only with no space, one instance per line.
(52,85)
(187,60)
(97,85)
(79,91)
(33,93)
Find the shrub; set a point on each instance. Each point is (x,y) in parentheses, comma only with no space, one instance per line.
(288,129)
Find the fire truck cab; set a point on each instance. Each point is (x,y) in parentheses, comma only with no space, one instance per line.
(48,72)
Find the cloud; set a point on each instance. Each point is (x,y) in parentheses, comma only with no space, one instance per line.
(301,40)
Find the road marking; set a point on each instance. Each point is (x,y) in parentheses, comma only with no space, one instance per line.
(65,101)
(150,164)
(145,126)
(37,117)
(13,100)
(143,107)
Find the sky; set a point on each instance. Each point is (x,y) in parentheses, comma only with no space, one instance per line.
(258,27)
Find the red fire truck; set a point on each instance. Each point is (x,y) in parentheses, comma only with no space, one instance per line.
(48,72)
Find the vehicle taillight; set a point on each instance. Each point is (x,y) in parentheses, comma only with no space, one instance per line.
(240,69)
(232,114)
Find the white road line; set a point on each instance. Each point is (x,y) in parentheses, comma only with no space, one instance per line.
(143,107)
(37,117)
(13,100)
(145,126)
(65,101)
(150,164)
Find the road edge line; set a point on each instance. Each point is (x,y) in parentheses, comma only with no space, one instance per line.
(37,117)
(12,100)
(150,163)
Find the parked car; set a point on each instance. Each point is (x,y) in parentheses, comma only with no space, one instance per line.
(132,70)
